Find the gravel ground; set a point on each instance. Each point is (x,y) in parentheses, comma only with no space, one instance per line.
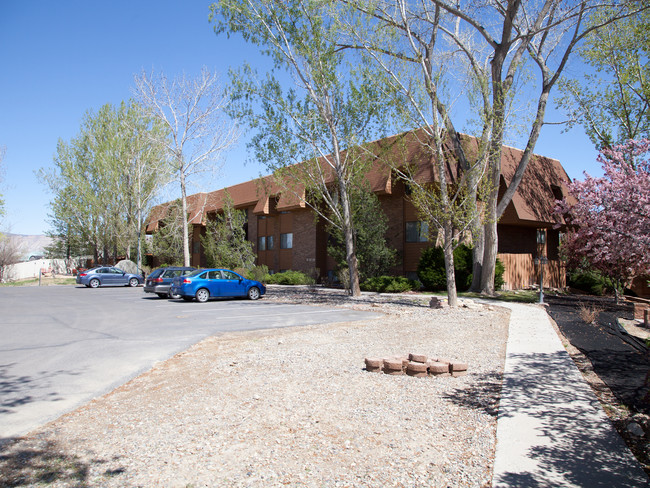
(291,407)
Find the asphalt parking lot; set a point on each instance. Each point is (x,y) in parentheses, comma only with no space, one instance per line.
(62,346)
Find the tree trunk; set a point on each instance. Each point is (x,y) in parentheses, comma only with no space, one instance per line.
(139,243)
(448,250)
(491,245)
(477,258)
(350,251)
(186,237)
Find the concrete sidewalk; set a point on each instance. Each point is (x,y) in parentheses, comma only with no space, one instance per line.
(551,430)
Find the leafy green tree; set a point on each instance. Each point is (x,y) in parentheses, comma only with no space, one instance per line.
(147,169)
(225,242)
(331,106)
(612,100)
(370,223)
(104,181)
(167,241)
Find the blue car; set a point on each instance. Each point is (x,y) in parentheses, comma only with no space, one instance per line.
(205,283)
(108,276)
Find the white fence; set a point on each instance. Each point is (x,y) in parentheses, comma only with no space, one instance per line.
(31,269)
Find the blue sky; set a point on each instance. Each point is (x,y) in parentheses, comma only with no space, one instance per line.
(60,59)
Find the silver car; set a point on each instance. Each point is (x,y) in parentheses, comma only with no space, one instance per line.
(108,276)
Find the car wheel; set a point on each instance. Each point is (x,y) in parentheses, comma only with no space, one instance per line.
(202,295)
(188,299)
(94,283)
(133,282)
(161,295)
(254,293)
(173,296)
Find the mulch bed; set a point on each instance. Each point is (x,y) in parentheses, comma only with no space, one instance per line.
(619,359)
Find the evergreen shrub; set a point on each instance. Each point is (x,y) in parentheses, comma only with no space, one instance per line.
(289,278)
(389,284)
(431,269)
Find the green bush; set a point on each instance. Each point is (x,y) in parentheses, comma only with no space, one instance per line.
(290,278)
(389,284)
(589,281)
(499,270)
(431,269)
(259,273)
(463,264)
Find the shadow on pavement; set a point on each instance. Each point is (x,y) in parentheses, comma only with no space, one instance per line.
(575,446)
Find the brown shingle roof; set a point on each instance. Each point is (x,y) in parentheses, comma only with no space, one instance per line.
(533,201)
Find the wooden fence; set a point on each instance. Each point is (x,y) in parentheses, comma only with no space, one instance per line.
(521,272)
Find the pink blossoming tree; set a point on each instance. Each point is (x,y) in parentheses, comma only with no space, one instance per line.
(610,220)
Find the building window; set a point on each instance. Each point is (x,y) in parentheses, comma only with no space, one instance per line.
(286,241)
(417,231)
(270,242)
(261,243)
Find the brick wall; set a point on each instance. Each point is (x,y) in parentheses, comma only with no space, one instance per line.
(393,207)
(304,241)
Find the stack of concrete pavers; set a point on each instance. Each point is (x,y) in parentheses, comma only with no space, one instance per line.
(417,365)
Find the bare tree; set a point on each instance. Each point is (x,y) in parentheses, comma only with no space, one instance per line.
(197,130)
(500,42)
(417,59)
(10,252)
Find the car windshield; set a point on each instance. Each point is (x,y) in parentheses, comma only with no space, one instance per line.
(195,273)
(156,273)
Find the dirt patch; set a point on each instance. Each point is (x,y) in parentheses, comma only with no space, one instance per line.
(291,407)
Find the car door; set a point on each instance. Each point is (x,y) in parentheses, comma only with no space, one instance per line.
(232,285)
(213,283)
(116,276)
(104,276)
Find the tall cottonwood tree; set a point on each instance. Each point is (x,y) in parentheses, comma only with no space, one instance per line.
(198,132)
(416,58)
(104,180)
(147,169)
(612,99)
(331,105)
(499,41)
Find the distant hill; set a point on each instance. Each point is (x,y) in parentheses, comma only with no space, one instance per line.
(30,245)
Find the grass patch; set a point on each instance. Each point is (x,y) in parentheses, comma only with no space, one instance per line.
(522,296)
(64,280)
